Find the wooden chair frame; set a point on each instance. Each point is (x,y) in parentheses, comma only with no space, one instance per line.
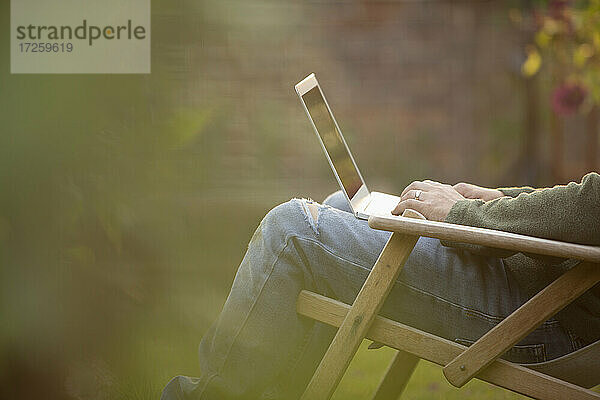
(460,364)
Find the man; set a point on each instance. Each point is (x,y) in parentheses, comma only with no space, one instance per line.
(260,348)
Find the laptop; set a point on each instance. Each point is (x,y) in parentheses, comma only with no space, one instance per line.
(363,202)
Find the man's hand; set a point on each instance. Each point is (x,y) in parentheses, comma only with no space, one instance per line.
(432,199)
(471,191)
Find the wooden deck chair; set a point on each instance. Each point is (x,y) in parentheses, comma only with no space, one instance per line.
(567,377)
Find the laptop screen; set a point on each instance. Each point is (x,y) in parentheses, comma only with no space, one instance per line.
(332,139)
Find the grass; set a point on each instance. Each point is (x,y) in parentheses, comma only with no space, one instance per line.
(427,382)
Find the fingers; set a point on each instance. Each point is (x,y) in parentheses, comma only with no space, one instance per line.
(464,188)
(409,203)
(425,185)
(461,186)
(416,185)
(412,194)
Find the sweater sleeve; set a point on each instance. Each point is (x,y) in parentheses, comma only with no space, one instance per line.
(569,213)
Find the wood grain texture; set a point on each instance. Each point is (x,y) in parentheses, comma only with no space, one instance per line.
(357,322)
(486,237)
(397,376)
(521,322)
(441,351)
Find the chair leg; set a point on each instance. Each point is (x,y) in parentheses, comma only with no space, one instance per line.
(426,346)
(353,329)
(396,376)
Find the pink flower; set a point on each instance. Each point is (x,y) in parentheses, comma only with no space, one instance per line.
(567,98)
(557,9)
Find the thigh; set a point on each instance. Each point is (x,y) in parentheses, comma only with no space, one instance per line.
(460,278)
(338,200)
(441,290)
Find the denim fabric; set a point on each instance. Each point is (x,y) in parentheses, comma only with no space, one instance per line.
(260,348)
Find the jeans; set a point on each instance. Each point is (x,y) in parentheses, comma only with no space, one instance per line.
(260,348)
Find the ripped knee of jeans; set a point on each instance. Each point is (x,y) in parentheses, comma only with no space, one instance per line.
(314,211)
(311,210)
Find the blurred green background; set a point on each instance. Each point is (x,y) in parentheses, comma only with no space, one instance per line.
(127,201)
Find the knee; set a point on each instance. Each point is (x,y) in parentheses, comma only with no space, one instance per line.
(338,200)
(289,218)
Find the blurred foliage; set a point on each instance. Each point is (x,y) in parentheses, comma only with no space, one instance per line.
(568,38)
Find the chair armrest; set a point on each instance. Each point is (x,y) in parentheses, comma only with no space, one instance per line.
(486,237)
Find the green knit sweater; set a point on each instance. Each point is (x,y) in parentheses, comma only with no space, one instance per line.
(569,213)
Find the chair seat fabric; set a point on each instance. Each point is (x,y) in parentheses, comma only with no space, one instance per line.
(581,367)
